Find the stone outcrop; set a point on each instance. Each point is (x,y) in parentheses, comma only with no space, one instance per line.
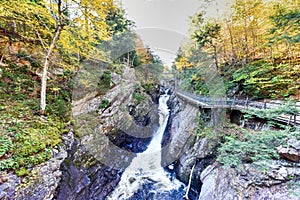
(181,133)
(182,146)
(278,181)
(108,138)
(292,151)
(108,134)
(42,182)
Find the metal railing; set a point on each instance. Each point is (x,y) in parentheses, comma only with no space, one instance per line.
(240,104)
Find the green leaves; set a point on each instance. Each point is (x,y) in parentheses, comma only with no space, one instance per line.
(263,80)
(286,25)
(26,139)
(288,108)
(206,34)
(104,82)
(104,103)
(254,147)
(5,145)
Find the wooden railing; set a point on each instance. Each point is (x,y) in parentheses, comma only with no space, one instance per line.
(239,104)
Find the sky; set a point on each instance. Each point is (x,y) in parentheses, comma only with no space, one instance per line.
(163,24)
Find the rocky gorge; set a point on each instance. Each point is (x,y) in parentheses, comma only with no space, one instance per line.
(107,135)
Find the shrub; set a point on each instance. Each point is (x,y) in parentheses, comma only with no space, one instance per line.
(22,172)
(5,145)
(263,80)
(27,139)
(104,82)
(255,146)
(138,98)
(148,86)
(104,104)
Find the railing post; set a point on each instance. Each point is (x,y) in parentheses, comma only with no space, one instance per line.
(232,105)
(246,104)
(295,120)
(290,119)
(265,104)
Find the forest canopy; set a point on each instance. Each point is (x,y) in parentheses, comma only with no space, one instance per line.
(255,47)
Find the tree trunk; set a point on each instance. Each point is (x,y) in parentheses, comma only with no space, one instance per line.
(45,68)
(186,196)
(216,56)
(233,55)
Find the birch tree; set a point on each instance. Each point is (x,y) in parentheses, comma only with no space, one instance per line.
(76,25)
(87,20)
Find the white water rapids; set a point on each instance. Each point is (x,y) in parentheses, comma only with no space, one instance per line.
(146,167)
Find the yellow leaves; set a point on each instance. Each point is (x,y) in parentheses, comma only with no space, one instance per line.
(30,19)
(55,89)
(142,51)
(183,63)
(195,78)
(86,25)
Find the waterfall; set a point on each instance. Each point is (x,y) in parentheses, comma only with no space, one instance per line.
(146,167)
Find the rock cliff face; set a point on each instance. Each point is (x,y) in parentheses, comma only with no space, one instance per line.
(108,137)
(109,134)
(280,181)
(182,147)
(277,179)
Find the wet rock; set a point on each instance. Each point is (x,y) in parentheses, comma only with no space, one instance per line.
(7,188)
(88,180)
(181,143)
(150,192)
(182,146)
(195,152)
(155,93)
(128,142)
(181,133)
(217,184)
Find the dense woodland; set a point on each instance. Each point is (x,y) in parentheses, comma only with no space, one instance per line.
(252,51)
(254,47)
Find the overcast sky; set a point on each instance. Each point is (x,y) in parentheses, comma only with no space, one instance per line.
(162,24)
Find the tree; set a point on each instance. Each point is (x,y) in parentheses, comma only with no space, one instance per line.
(208,35)
(286,28)
(49,20)
(26,21)
(89,22)
(183,63)
(117,22)
(122,46)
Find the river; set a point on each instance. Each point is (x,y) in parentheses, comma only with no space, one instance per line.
(145,178)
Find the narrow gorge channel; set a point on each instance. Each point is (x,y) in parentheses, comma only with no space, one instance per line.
(145,178)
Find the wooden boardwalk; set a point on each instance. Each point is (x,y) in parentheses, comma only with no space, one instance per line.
(239,104)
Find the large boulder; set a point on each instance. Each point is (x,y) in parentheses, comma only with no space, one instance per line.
(278,180)
(291,152)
